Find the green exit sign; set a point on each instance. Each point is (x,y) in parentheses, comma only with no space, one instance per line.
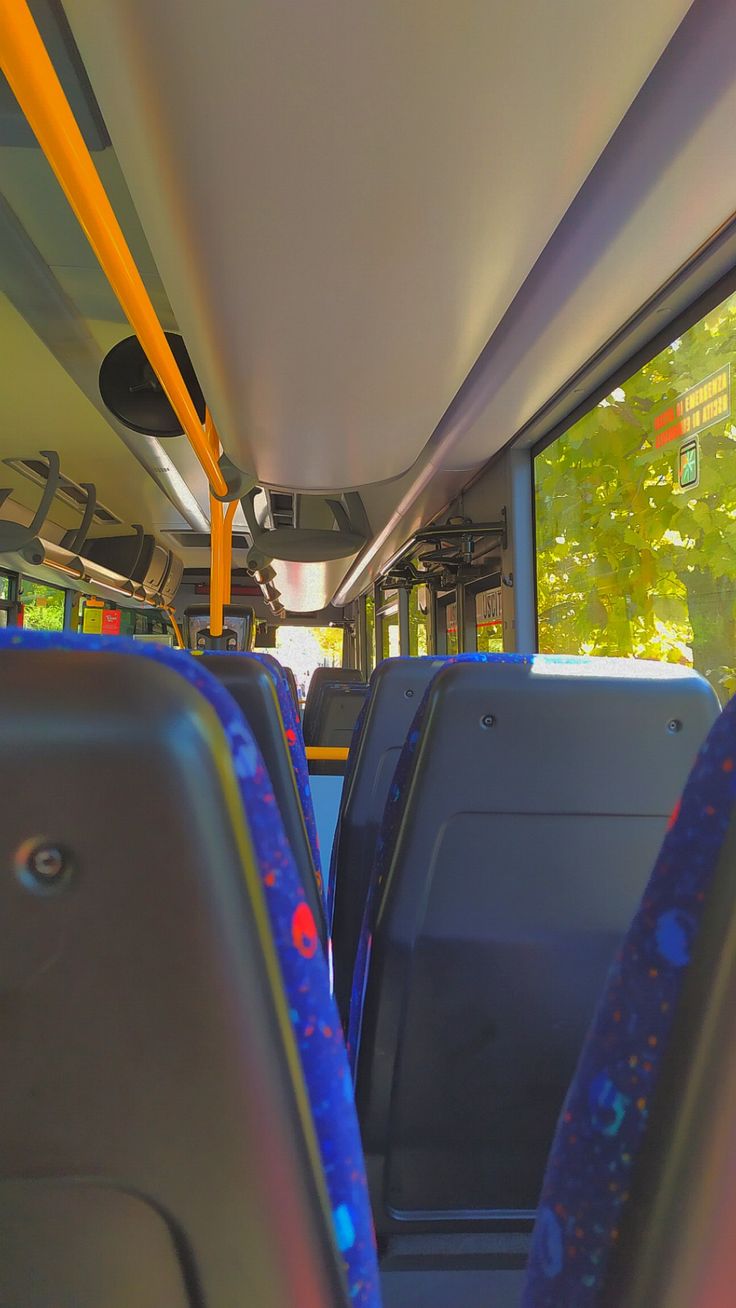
(688,465)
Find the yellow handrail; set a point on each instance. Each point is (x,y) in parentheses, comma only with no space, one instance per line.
(31,75)
(327,753)
(227,555)
(177,629)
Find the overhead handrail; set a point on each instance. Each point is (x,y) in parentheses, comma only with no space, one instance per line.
(75,539)
(140,541)
(15,538)
(171,615)
(30,72)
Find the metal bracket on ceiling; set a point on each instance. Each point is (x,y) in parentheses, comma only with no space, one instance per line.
(75,539)
(15,538)
(452,553)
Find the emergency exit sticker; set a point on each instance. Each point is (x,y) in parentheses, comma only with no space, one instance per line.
(688,465)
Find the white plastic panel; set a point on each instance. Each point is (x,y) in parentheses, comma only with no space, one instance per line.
(343,198)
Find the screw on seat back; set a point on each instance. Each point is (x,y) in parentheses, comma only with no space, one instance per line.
(156,1140)
(638,1197)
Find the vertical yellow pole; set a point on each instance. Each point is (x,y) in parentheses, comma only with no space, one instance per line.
(227,553)
(217,534)
(177,629)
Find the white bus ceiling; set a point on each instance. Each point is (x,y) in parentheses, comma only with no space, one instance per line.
(345,207)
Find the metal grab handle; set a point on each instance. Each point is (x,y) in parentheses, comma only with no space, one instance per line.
(74,540)
(15,537)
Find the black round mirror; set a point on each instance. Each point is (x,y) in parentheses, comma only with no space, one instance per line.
(132,392)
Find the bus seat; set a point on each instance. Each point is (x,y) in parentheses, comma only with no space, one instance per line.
(253,688)
(639,1191)
(159,795)
(295,741)
(395,693)
(319,678)
(337,712)
(528,805)
(291,678)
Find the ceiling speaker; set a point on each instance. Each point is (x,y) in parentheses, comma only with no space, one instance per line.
(132,392)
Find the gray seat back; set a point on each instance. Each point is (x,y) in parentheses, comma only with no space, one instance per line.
(396,690)
(156,1141)
(320,678)
(529,817)
(338,712)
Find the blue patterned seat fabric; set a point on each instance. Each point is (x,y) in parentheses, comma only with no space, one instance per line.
(295,741)
(313,1012)
(606,1113)
(387,839)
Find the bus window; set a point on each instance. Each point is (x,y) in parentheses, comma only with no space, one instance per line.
(305,648)
(5,599)
(449,612)
(635,509)
(489,621)
(418,641)
(391,627)
(42,605)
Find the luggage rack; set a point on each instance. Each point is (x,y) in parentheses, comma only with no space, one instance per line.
(68,557)
(448,552)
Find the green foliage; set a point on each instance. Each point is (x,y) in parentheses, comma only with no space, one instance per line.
(43,606)
(627,562)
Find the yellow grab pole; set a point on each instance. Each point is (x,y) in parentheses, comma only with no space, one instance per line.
(227,553)
(31,75)
(177,629)
(217,537)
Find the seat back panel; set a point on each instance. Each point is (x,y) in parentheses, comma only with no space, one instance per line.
(522,823)
(148,985)
(395,693)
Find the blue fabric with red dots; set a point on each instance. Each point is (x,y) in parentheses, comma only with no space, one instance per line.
(297,754)
(313,1013)
(387,840)
(606,1113)
(295,741)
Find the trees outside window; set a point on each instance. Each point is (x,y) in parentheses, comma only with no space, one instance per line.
(636,514)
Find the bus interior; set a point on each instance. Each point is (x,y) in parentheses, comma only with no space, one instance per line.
(367,653)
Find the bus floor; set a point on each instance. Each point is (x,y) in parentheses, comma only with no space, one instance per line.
(454,1270)
(470,1288)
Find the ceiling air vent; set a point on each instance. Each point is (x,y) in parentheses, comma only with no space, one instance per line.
(37,471)
(200,540)
(282,508)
